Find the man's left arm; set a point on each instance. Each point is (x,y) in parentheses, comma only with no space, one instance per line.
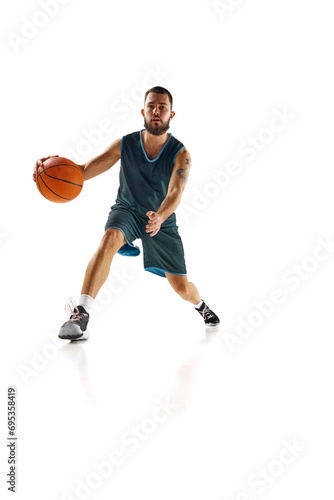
(177,183)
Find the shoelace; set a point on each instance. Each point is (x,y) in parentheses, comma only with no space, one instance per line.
(72,310)
(206,313)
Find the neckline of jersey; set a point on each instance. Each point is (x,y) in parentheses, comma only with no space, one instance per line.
(143,149)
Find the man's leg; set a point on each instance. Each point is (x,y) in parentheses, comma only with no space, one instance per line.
(96,274)
(99,266)
(189,292)
(184,288)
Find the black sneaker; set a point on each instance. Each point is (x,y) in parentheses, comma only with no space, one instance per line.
(210,318)
(76,327)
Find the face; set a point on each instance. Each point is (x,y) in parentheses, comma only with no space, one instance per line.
(157,113)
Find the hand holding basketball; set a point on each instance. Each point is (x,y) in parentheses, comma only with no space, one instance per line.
(39,164)
(58,179)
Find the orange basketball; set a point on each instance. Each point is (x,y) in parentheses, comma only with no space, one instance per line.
(59,180)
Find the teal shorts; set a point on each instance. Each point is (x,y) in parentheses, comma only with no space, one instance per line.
(163,253)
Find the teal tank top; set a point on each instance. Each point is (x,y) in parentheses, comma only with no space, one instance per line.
(143,182)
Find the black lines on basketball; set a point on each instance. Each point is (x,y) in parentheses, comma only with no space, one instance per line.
(67,199)
(62,180)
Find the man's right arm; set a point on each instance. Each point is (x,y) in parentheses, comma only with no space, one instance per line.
(102,162)
(97,165)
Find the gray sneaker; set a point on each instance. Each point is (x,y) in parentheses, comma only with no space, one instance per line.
(76,327)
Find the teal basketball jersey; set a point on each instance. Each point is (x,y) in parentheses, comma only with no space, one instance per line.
(144,182)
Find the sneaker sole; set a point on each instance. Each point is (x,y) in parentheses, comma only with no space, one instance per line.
(69,337)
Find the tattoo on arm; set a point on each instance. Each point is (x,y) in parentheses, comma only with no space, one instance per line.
(184,172)
(103,158)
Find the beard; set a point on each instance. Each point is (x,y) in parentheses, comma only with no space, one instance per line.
(156,130)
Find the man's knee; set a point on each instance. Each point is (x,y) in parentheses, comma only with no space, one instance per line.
(113,239)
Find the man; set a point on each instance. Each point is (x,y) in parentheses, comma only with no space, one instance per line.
(154,172)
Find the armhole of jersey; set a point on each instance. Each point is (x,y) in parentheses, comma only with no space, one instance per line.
(177,152)
(122,144)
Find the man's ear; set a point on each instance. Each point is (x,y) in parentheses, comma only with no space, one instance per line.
(142,112)
(172,114)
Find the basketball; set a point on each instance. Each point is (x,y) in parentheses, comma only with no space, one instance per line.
(59,180)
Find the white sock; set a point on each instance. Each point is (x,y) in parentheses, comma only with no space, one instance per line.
(199,304)
(86,301)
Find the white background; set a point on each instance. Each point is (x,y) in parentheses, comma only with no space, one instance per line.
(229,72)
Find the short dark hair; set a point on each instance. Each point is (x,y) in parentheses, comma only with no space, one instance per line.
(160,90)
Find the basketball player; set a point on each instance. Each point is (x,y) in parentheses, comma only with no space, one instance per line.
(154,171)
